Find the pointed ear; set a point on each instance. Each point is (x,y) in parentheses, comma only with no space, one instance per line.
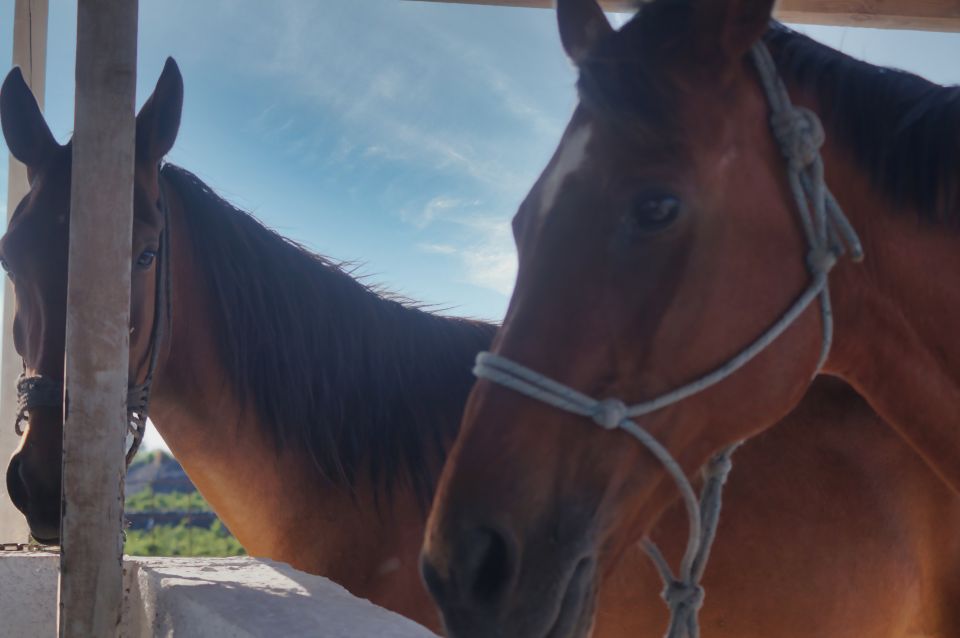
(26,132)
(731,27)
(159,120)
(582,25)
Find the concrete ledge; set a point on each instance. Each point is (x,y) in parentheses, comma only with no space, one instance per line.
(28,594)
(193,597)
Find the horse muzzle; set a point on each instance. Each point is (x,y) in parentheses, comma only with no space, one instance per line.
(39,505)
(488,585)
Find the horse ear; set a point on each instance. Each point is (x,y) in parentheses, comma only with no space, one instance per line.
(582,25)
(731,27)
(159,119)
(26,132)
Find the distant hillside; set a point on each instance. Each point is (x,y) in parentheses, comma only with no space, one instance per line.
(159,471)
(166,515)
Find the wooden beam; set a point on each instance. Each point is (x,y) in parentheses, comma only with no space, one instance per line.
(929,15)
(98,319)
(30,54)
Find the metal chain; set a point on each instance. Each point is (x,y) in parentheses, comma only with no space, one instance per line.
(30,546)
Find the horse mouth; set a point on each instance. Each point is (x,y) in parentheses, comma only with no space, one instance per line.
(54,540)
(575,615)
(44,533)
(44,529)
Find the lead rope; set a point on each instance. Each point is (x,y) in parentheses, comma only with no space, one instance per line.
(829,235)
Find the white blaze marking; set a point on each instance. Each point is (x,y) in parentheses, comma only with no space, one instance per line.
(571,157)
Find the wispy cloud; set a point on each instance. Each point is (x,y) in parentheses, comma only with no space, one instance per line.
(482,242)
(440,208)
(416,118)
(387,92)
(491,261)
(437,249)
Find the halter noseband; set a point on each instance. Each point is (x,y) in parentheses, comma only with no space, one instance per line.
(829,235)
(39,391)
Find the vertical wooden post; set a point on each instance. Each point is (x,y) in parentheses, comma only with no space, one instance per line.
(30,54)
(98,309)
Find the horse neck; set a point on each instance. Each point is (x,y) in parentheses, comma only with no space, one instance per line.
(277,503)
(896,315)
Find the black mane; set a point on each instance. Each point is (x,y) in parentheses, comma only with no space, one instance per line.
(361,382)
(903,130)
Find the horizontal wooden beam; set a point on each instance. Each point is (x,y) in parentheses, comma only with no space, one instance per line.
(930,15)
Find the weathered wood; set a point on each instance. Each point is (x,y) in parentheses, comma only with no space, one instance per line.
(98,309)
(30,54)
(931,15)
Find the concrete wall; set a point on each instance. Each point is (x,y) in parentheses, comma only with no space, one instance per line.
(28,595)
(194,597)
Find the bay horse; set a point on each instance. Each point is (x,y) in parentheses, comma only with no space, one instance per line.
(307,337)
(312,412)
(660,241)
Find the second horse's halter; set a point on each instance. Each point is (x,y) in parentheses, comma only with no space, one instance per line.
(41,391)
(829,234)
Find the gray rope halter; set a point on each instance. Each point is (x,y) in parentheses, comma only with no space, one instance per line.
(39,391)
(829,235)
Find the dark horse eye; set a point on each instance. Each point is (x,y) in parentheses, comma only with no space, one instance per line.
(654,213)
(146,258)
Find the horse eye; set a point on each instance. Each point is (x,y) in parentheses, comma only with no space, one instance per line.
(146,258)
(652,214)
(5,266)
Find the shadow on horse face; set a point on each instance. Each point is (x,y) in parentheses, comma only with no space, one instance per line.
(659,241)
(34,252)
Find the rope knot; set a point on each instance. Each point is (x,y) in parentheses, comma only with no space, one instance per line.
(800,134)
(821,260)
(610,413)
(680,595)
(718,467)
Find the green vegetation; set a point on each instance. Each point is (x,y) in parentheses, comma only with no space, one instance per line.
(181,540)
(148,501)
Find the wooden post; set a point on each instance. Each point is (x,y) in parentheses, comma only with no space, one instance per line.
(30,54)
(98,309)
(930,15)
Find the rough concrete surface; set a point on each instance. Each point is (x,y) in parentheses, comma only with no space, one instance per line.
(202,597)
(28,595)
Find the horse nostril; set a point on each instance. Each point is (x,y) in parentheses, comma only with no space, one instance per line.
(432,579)
(488,562)
(480,572)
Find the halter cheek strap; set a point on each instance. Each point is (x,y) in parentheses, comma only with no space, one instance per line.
(829,235)
(40,391)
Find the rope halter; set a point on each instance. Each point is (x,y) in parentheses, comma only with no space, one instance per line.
(40,391)
(829,235)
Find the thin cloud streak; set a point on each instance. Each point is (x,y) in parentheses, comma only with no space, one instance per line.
(393,106)
(484,245)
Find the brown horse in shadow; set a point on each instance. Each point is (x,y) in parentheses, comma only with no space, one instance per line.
(661,240)
(314,413)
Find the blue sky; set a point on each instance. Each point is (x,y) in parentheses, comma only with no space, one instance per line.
(400,135)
